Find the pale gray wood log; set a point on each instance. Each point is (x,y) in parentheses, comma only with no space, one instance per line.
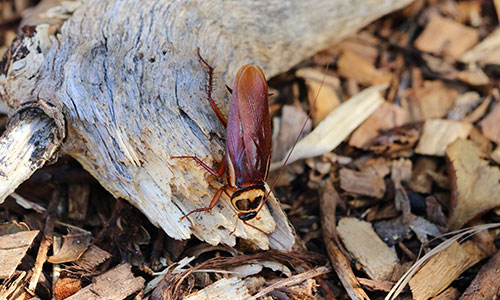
(132,90)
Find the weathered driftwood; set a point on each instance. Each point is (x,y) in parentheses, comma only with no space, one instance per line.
(125,78)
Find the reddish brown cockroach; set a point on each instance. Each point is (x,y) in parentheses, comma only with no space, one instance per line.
(248,143)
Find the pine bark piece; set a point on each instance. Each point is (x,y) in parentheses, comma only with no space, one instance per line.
(386,116)
(443,36)
(362,183)
(475,188)
(485,284)
(116,283)
(363,72)
(489,125)
(359,238)
(449,264)
(432,100)
(329,200)
(438,134)
(152,104)
(13,247)
(420,181)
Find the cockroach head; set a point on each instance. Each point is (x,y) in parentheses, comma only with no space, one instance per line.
(247,201)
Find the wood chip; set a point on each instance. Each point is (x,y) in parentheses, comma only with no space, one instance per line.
(495,155)
(74,245)
(479,111)
(449,264)
(450,293)
(329,199)
(432,100)
(497,8)
(486,52)
(474,77)
(359,238)
(338,125)
(420,181)
(78,200)
(224,289)
(446,37)
(463,105)
(92,258)
(13,247)
(485,284)
(66,286)
(480,141)
(354,67)
(387,116)
(116,283)
(310,74)
(475,187)
(322,100)
(362,183)
(438,134)
(489,125)
(362,45)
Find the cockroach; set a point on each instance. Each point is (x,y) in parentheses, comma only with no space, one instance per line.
(248,143)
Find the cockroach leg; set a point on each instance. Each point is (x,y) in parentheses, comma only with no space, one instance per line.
(214,201)
(217,173)
(210,88)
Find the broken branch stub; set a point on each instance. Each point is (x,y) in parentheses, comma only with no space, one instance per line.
(132,90)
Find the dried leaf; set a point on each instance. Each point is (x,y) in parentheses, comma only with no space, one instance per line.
(475,188)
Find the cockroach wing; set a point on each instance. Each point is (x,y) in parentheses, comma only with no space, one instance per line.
(248,139)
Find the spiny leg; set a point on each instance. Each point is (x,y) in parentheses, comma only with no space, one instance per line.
(210,88)
(214,201)
(217,173)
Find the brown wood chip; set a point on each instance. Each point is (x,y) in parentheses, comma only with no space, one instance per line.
(438,134)
(359,238)
(443,268)
(362,183)
(354,67)
(13,247)
(443,36)
(116,283)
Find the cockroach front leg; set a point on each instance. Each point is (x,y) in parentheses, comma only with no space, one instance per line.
(214,201)
(217,173)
